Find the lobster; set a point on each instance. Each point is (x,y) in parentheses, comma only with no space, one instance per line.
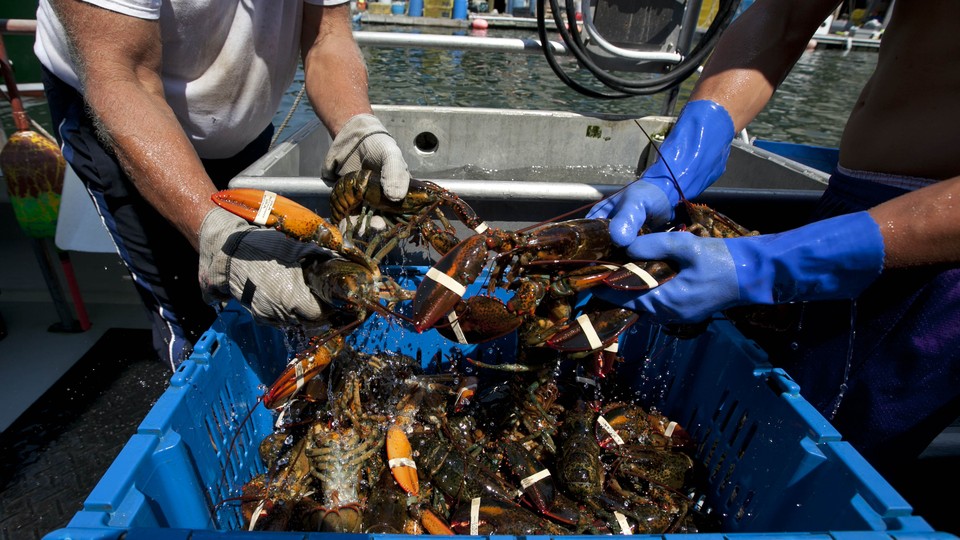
(548,268)
(351,282)
(583,241)
(638,491)
(359,194)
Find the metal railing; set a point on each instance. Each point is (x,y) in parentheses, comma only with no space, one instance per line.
(407,40)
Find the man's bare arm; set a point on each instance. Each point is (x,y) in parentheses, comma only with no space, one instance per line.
(921,227)
(756,53)
(119,59)
(335,72)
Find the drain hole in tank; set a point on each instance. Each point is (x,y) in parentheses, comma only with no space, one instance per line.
(426,142)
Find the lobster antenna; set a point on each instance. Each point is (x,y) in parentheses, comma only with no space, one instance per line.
(656,148)
(558,217)
(673,177)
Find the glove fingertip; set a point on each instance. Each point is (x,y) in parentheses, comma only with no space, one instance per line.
(623,231)
(395,181)
(649,246)
(313,312)
(397,190)
(599,211)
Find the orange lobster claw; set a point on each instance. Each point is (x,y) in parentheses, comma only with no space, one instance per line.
(400,459)
(266,208)
(433,524)
(305,366)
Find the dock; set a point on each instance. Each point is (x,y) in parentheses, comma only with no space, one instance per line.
(837,41)
(859,41)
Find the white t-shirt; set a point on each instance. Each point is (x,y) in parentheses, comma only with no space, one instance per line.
(223,80)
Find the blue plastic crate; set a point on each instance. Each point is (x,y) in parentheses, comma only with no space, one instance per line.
(776,467)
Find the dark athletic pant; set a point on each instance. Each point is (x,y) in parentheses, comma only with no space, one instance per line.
(903,378)
(160,260)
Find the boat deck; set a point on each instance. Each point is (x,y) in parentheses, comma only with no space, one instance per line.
(69,401)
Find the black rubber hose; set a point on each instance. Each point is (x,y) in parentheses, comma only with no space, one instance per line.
(555,66)
(625,87)
(675,76)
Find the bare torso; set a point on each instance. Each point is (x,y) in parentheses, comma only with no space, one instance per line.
(908,115)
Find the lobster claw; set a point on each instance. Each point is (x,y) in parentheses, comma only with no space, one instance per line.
(266,208)
(433,524)
(491,516)
(400,460)
(446,282)
(592,331)
(641,275)
(305,366)
(535,480)
(478,319)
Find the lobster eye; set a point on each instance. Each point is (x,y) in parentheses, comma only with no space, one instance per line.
(426,142)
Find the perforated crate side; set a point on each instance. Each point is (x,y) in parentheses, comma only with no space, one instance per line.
(774,464)
(221,422)
(767,449)
(194,447)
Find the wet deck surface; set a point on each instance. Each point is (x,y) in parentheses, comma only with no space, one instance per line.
(53,455)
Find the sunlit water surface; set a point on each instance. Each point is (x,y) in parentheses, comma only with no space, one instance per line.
(810,107)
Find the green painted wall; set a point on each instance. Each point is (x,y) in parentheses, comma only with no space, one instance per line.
(26,68)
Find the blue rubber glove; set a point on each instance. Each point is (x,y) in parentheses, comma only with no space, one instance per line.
(830,259)
(696,151)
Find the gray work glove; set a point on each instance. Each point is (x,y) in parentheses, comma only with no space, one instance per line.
(364,143)
(259,267)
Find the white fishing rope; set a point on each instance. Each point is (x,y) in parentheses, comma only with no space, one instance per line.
(283,125)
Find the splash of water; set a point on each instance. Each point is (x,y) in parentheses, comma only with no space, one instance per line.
(841,393)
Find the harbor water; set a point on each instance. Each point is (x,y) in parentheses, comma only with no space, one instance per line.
(810,107)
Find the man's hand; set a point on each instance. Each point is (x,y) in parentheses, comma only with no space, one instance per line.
(640,202)
(826,260)
(693,156)
(363,143)
(259,267)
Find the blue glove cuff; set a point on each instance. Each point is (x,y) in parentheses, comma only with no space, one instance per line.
(696,151)
(826,260)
